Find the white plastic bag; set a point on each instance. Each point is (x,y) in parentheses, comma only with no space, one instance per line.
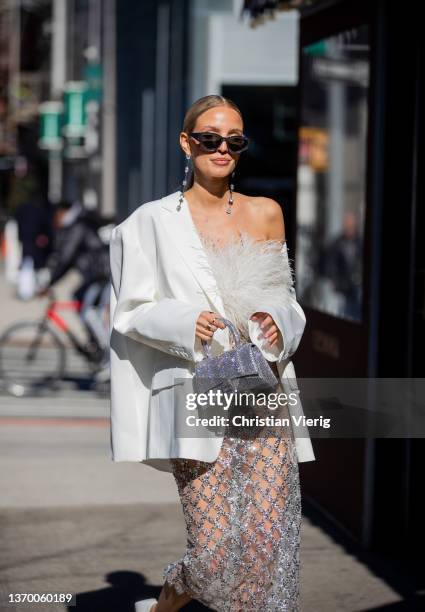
(27,282)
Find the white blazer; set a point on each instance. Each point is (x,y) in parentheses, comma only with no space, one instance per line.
(160,285)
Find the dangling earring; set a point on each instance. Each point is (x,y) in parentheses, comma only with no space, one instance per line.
(231,187)
(184,183)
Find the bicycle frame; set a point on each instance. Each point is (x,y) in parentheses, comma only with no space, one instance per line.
(53,317)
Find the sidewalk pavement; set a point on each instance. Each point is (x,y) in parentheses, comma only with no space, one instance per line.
(74,521)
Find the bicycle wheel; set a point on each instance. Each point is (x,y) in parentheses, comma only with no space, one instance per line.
(31,358)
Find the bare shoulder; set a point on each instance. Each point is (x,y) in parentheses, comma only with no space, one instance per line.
(268,213)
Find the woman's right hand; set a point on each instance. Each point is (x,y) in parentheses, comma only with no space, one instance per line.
(208,322)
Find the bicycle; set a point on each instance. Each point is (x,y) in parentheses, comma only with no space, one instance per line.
(33,354)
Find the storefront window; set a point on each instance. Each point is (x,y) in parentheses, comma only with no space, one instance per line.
(332,158)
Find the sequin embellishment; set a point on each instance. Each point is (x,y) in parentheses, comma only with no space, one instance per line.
(243,520)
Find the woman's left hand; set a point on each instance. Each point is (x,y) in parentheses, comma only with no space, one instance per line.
(267,326)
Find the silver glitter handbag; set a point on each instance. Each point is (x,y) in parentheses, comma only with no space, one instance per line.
(243,368)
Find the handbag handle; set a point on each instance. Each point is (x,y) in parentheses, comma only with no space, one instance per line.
(206,346)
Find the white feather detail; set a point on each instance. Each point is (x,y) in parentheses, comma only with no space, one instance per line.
(249,273)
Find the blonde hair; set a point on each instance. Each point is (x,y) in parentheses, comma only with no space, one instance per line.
(197,109)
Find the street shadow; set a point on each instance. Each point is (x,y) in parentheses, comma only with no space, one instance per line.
(69,382)
(87,383)
(123,589)
(402,575)
(414,604)
(79,382)
(49,389)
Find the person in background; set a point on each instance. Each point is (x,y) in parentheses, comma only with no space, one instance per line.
(79,246)
(344,262)
(35,236)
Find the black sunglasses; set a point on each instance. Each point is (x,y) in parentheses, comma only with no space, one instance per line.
(212,142)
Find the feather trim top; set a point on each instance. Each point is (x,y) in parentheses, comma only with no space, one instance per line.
(249,272)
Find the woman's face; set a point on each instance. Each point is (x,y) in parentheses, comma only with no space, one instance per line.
(220,120)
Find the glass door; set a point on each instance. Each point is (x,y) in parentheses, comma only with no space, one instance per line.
(331,189)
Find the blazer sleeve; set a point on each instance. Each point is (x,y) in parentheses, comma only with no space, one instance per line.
(290,320)
(166,324)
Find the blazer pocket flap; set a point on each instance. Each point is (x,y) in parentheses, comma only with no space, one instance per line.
(169,377)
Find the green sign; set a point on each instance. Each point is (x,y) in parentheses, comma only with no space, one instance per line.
(75,97)
(93,76)
(50,125)
(317,48)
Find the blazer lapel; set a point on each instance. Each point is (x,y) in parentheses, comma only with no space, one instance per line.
(184,235)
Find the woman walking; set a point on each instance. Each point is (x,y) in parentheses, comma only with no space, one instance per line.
(179,264)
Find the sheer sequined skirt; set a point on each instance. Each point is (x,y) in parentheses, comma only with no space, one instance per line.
(243,518)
